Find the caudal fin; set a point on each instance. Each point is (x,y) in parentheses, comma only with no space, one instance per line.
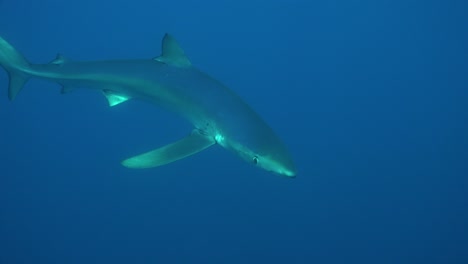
(15,65)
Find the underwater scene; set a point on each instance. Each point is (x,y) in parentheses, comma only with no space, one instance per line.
(281,131)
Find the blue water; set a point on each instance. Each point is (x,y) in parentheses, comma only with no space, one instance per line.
(370,96)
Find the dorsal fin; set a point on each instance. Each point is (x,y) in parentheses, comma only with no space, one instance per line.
(172,53)
(59,59)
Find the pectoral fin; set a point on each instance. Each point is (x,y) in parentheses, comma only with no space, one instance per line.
(192,144)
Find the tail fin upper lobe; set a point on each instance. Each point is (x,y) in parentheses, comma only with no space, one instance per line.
(15,65)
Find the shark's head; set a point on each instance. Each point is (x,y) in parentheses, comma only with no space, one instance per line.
(277,162)
(271,156)
(258,145)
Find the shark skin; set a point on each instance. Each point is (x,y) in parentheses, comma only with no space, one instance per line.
(218,115)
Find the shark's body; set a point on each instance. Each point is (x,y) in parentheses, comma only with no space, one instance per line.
(217,114)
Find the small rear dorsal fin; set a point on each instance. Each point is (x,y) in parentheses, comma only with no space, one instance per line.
(172,53)
(59,60)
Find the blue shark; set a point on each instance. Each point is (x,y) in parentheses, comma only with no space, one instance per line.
(218,115)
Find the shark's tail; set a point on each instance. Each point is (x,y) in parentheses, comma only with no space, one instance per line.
(15,65)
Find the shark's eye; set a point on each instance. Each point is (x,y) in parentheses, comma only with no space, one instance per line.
(255,160)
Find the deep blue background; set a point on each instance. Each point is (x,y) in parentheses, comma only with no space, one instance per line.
(370,96)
